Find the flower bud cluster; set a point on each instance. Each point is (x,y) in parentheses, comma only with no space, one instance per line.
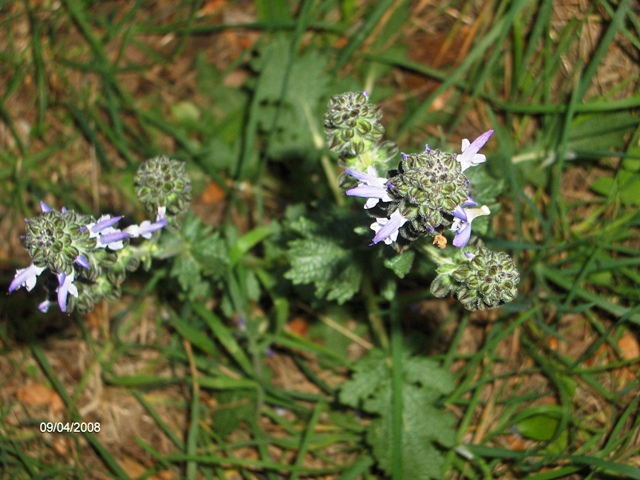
(352,123)
(426,189)
(55,240)
(424,195)
(485,280)
(163,185)
(90,258)
(75,248)
(354,132)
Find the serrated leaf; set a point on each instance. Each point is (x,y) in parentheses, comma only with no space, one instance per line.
(484,188)
(423,428)
(326,255)
(211,254)
(369,371)
(401,264)
(199,254)
(426,428)
(290,92)
(429,374)
(187,271)
(326,264)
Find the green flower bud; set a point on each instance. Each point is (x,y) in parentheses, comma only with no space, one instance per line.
(85,301)
(441,286)
(164,187)
(426,188)
(55,240)
(489,279)
(352,124)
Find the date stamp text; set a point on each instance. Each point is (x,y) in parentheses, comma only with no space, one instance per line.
(69,427)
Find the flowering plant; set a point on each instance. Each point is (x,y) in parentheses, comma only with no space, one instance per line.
(424,195)
(89,258)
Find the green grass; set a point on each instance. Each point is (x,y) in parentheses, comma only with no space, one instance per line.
(542,387)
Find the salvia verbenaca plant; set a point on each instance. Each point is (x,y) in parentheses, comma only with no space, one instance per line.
(87,259)
(425,195)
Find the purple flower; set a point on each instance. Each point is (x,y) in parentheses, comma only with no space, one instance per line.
(470,203)
(83,262)
(44,306)
(371,186)
(46,208)
(113,240)
(387,228)
(26,277)
(65,287)
(105,234)
(462,223)
(470,156)
(146,228)
(103,223)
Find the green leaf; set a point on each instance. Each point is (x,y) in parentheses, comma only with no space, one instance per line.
(599,132)
(426,428)
(428,373)
(327,265)
(248,241)
(625,185)
(185,112)
(632,161)
(369,371)
(484,188)
(276,11)
(401,264)
(290,93)
(538,427)
(326,256)
(231,408)
(200,254)
(187,271)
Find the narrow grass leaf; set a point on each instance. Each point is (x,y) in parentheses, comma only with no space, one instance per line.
(224,337)
(167,430)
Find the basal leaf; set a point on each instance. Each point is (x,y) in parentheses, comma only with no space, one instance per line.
(427,430)
(424,429)
(370,370)
(290,93)
(428,373)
